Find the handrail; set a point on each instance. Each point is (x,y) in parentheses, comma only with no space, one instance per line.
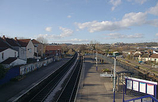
(153,98)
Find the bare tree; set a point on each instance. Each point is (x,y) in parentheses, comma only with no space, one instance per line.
(42,40)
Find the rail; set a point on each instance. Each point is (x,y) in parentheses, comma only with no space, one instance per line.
(69,91)
(42,89)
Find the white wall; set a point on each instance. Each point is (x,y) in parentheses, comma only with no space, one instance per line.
(8,53)
(30,50)
(18,62)
(22,53)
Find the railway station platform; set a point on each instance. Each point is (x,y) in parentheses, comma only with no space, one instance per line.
(13,89)
(94,88)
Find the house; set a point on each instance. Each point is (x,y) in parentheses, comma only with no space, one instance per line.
(28,46)
(138,53)
(39,48)
(155,52)
(16,46)
(8,54)
(53,51)
(13,61)
(154,57)
(116,53)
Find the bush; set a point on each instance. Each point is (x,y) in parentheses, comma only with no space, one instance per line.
(106,70)
(2,71)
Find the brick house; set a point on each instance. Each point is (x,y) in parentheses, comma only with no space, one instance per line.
(39,48)
(53,51)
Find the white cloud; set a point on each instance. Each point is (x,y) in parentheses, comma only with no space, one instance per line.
(153,22)
(79,40)
(49,36)
(49,29)
(123,36)
(69,16)
(130,19)
(156,34)
(75,40)
(115,3)
(133,19)
(65,32)
(153,10)
(138,1)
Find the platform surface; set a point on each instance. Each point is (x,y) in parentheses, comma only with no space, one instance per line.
(98,89)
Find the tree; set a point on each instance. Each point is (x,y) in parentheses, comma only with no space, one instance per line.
(42,40)
(71,52)
(2,71)
(64,48)
(95,45)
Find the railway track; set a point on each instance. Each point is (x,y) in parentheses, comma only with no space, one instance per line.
(42,90)
(42,94)
(69,91)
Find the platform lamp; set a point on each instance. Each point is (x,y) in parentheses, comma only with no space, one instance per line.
(96,61)
(114,84)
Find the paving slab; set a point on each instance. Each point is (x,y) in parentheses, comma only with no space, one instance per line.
(98,89)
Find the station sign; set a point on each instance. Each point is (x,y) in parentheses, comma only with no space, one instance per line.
(106,75)
(140,85)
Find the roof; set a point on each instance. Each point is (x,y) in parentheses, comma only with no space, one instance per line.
(23,42)
(4,44)
(11,41)
(35,41)
(2,49)
(137,55)
(9,60)
(50,47)
(154,56)
(146,55)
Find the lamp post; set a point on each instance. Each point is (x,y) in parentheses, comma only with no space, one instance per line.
(123,93)
(114,85)
(96,61)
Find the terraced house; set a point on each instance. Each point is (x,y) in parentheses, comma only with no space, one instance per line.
(11,53)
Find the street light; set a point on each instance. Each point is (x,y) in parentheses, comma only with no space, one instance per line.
(114,86)
(96,61)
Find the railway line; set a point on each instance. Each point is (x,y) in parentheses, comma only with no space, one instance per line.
(69,91)
(43,89)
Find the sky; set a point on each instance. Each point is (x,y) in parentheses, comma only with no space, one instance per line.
(80,21)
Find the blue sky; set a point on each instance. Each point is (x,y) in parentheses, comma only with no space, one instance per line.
(80,21)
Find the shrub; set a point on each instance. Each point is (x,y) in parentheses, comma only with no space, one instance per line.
(106,70)
(2,71)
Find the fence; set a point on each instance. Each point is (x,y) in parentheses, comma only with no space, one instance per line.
(147,98)
(21,70)
(118,63)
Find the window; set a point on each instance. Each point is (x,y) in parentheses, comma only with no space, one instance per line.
(2,56)
(30,50)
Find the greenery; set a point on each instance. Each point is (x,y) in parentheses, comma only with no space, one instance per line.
(2,71)
(20,77)
(106,70)
(71,52)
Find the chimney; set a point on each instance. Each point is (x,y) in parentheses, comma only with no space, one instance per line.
(4,38)
(16,38)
